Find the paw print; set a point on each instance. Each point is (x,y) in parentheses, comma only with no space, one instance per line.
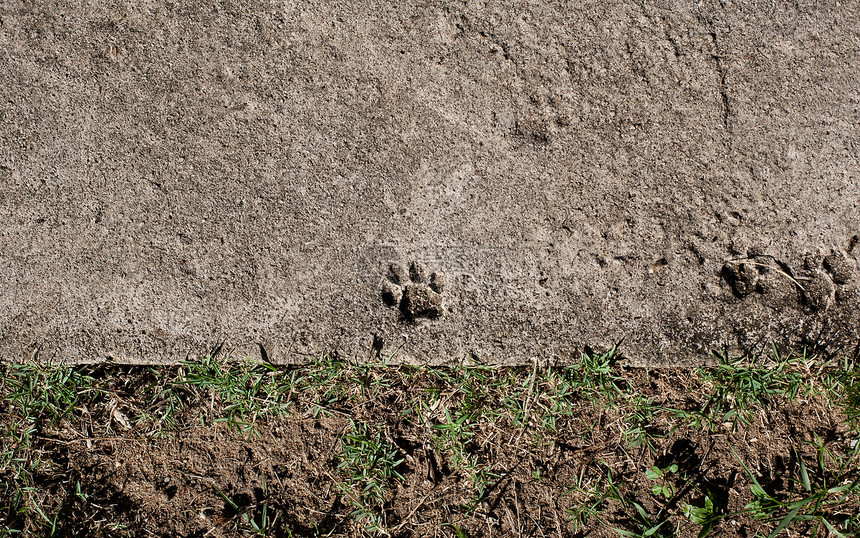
(415,293)
(764,277)
(821,281)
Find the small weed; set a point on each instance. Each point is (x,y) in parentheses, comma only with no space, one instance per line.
(705,516)
(329,381)
(597,378)
(829,501)
(35,394)
(646,525)
(369,464)
(455,440)
(483,480)
(663,487)
(35,397)
(640,416)
(458,532)
(165,401)
(555,398)
(845,383)
(254,519)
(457,433)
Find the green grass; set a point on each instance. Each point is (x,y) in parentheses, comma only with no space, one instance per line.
(244,391)
(741,386)
(589,494)
(368,464)
(34,399)
(824,496)
(470,417)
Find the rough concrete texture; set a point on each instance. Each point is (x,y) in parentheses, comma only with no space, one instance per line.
(495,180)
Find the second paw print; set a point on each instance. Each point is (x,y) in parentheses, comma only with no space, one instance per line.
(413,291)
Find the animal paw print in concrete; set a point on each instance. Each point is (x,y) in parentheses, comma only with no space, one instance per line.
(822,279)
(413,291)
(835,277)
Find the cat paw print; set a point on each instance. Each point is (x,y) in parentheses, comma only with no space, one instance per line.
(413,291)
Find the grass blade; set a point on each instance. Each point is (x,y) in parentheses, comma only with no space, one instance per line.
(785,522)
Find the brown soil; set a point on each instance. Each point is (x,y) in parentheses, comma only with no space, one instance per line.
(208,478)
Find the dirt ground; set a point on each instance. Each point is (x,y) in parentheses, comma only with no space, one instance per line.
(473,453)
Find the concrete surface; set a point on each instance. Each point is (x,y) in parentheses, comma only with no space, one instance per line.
(494,180)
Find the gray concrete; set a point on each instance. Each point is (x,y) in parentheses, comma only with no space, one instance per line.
(497,180)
